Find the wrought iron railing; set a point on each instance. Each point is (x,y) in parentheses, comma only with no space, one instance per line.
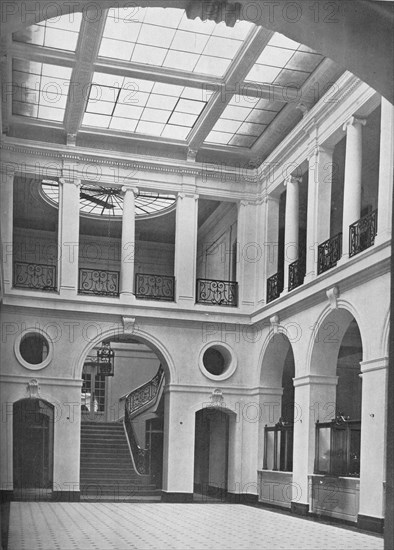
(98,282)
(328,253)
(219,293)
(274,286)
(135,402)
(296,273)
(155,287)
(36,276)
(362,233)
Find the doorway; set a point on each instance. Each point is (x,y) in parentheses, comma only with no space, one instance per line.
(33,444)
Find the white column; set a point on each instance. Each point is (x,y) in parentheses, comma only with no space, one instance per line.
(373,438)
(271,238)
(249,253)
(128,241)
(315,396)
(352,179)
(7,209)
(291,226)
(386,171)
(319,205)
(186,247)
(68,236)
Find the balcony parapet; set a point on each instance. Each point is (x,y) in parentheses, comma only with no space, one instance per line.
(296,273)
(98,282)
(329,253)
(362,233)
(155,287)
(34,276)
(274,286)
(217,292)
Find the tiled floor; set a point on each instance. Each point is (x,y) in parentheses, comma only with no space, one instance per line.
(107,526)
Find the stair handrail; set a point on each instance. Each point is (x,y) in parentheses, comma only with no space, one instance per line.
(144,395)
(149,392)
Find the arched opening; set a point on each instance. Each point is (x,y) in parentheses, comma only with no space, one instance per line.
(122,428)
(33,421)
(277,422)
(211,452)
(336,356)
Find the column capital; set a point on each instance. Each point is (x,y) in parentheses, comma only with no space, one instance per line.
(292,179)
(310,379)
(270,198)
(126,188)
(184,195)
(317,150)
(66,181)
(354,121)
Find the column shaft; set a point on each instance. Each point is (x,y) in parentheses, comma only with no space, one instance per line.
(128,241)
(386,171)
(68,235)
(7,210)
(186,246)
(291,226)
(352,179)
(248,253)
(319,206)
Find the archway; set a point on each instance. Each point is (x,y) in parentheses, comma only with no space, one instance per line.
(33,420)
(122,427)
(211,451)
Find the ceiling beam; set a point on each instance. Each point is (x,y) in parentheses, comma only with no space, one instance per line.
(41,54)
(233,80)
(86,54)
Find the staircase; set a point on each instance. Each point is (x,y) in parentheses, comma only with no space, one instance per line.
(106,468)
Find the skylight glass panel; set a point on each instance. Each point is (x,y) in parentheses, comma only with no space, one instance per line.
(40,90)
(160,110)
(284,62)
(164,37)
(243,121)
(59,33)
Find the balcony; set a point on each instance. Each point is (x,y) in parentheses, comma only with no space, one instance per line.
(155,287)
(98,282)
(216,292)
(362,233)
(296,273)
(274,286)
(34,276)
(328,253)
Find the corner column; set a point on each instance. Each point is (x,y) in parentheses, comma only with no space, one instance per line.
(186,247)
(68,236)
(319,205)
(386,171)
(128,241)
(291,226)
(353,177)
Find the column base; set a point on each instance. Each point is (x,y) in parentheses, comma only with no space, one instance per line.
(370,523)
(176,497)
(299,508)
(382,237)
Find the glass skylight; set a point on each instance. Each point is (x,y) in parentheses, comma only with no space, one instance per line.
(59,32)
(243,121)
(143,106)
(108,201)
(284,62)
(40,90)
(164,37)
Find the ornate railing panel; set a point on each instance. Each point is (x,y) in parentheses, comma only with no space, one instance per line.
(37,276)
(98,282)
(274,286)
(219,293)
(155,287)
(362,233)
(296,273)
(328,253)
(145,394)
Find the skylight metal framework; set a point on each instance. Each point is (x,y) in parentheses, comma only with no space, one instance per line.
(153,74)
